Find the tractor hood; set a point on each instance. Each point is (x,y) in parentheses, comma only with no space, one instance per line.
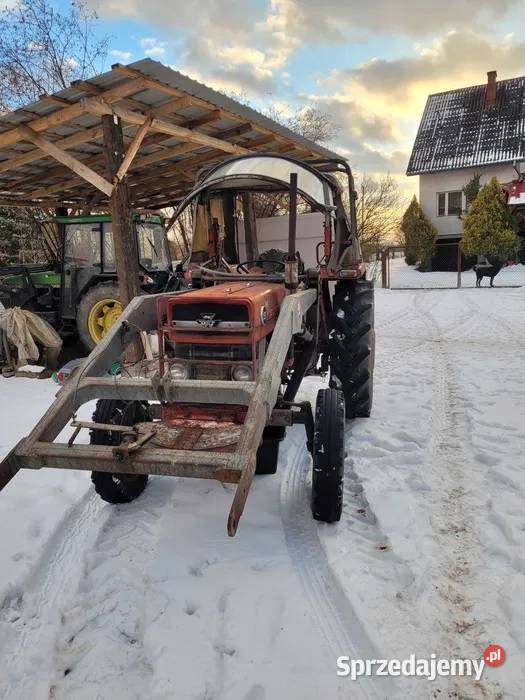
(230,306)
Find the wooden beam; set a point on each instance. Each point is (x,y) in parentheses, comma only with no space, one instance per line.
(68,113)
(68,142)
(132,149)
(124,241)
(100,107)
(60,101)
(201,121)
(165,154)
(67,159)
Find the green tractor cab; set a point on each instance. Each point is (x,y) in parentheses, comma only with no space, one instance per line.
(78,290)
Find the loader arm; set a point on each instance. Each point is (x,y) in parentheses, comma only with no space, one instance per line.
(40,449)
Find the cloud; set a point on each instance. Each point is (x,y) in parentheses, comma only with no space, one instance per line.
(455,60)
(226,43)
(153,47)
(336,19)
(121,55)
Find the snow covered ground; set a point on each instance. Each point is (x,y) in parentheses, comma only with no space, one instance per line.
(403,276)
(153,600)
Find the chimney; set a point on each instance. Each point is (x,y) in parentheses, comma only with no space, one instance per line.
(490,95)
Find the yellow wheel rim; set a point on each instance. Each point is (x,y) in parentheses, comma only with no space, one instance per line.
(102,316)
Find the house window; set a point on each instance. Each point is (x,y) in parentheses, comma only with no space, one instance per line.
(442,203)
(455,203)
(449,203)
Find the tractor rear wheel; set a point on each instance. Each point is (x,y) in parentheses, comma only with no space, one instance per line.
(117,488)
(268,452)
(328,456)
(98,310)
(352,345)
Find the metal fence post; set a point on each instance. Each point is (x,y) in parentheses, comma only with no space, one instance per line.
(459,266)
(384,269)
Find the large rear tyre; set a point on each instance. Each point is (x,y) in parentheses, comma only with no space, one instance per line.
(98,310)
(352,345)
(117,488)
(328,456)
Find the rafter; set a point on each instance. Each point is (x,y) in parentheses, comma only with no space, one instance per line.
(68,113)
(100,107)
(66,159)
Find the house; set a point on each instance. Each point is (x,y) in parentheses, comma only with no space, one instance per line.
(472,130)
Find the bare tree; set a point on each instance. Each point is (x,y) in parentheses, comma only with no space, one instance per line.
(43,49)
(379,209)
(309,122)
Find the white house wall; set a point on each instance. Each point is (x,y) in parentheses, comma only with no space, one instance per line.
(432,183)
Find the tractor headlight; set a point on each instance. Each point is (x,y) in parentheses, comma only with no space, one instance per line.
(179,370)
(242,373)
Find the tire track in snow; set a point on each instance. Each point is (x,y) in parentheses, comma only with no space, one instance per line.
(455,533)
(33,630)
(341,627)
(101,636)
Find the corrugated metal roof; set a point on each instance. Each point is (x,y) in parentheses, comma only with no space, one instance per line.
(459,130)
(157,173)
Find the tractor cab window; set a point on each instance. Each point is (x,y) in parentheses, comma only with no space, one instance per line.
(108,249)
(82,245)
(151,239)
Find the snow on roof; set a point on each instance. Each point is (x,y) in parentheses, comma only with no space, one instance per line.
(459,130)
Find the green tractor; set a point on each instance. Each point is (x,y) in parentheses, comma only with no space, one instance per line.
(77,292)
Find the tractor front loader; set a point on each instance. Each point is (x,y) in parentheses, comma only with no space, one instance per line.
(268,301)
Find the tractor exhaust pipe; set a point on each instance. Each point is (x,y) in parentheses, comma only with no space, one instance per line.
(291,265)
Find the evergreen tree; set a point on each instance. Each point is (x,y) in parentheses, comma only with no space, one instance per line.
(472,188)
(487,228)
(420,235)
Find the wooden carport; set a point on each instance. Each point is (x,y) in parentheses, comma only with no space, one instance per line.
(131,139)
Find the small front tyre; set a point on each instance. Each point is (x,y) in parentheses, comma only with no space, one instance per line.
(328,456)
(117,488)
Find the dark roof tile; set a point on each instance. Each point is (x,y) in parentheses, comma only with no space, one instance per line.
(458,130)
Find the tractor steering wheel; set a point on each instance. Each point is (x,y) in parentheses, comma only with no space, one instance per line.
(241,267)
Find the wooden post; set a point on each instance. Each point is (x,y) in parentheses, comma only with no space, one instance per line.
(122,223)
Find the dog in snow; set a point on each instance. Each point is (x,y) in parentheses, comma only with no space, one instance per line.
(486,270)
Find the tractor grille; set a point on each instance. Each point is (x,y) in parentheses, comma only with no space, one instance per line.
(211,372)
(236,313)
(231,353)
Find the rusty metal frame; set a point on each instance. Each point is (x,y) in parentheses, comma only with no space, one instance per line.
(39,448)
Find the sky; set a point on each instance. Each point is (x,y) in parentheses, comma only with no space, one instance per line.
(369,64)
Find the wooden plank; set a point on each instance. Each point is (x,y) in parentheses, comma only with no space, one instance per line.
(60,101)
(68,113)
(67,142)
(67,159)
(100,107)
(133,149)
(205,119)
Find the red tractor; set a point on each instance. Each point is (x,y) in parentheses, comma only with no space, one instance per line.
(268,300)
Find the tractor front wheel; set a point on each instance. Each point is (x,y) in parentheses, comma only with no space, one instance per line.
(117,488)
(328,456)
(98,310)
